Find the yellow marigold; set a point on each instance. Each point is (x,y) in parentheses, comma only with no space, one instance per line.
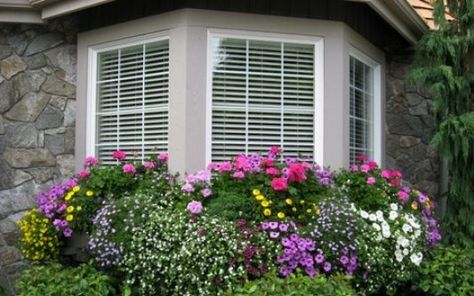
(76,188)
(260,197)
(256,192)
(289,201)
(70,209)
(281,215)
(90,193)
(265,203)
(69,218)
(69,195)
(267,212)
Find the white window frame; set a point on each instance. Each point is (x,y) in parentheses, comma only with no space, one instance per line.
(317,42)
(93,52)
(377,103)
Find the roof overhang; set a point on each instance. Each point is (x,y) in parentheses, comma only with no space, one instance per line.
(401,16)
(39,11)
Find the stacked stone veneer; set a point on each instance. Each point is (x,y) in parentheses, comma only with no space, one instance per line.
(37,118)
(409,127)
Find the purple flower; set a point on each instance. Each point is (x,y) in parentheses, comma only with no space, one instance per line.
(294,237)
(283,227)
(319,258)
(327,266)
(286,242)
(274,234)
(194,207)
(188,188)
(265,225)
(273,225)
(206,192)
(67,232)
(344,260)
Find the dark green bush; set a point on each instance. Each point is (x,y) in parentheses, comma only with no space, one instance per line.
(55,279)
(449,272)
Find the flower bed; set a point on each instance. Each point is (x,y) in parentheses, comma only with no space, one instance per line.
(255,219)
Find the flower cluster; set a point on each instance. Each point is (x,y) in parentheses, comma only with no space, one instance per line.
(39,241)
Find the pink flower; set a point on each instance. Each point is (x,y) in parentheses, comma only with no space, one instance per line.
(148,164)
(194,207)
(364,168)
(272,171)
(163,156)
(206,192)
(386,174)
(396,174)
(129,169)
(267,163)
(84,174)
(354,168)
(371,180)
(275,150)
(402,195)
(212,166)
(372,165)
(296,173)
(239,175)
(279,184)
(188,188)
(395,182)
(225,167)
(242,163)
(67,232)
(362,158)
(119,155)
(90,161)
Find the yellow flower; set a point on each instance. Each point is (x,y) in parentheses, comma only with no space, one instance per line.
(260,197)
(265,203)
(302,202)
(281,215)
(427,204)
(414,205)
(79,208)
(308,210)
(70,209)
(76,188)
(289,201)
(69,218)
(90,193)
(293,209)
(69,195)
(267,212)
(318,212)
(256,192)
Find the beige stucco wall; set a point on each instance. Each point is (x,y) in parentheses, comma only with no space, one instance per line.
(188,33)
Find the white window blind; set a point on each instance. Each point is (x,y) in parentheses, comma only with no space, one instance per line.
(361,109)
(262,95)
(132,100)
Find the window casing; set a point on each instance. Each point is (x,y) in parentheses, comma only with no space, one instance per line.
(130,100)
(263,93)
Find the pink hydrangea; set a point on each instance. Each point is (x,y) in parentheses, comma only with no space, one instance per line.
(371,181)
(279,184)
(194,207)
(372,165)
(84,174)
(225,166)
(119,155)
(148,164)
(129,169)
(163,156)
(296,172)
(239,175)
(242,163)
(90,161)
(354,168)
(386,174)
(364,168)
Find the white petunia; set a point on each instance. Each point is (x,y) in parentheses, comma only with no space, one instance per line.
(394,207)
(405,252)
(372,217)
(376,226)
(379,215)
(407,228)
(416,258)
(364,214)
(393,215)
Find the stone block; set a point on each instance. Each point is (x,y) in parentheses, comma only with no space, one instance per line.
(36,61)
(64,57)
(406,125)
(43,175)
(70,113)
(29,81)
(20,198)
(11,66)
(69,140)
(66,165)
(5,51)
(18,42)
(21,135)
(10,178)
(44,42)
(8,94)
(2,126)
(59,87)
(55,143)
(9,255)
(29,107)
(27,158)
(58,102)
(408,141)
(49,118)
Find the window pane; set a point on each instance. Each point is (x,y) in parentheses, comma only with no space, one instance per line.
(361,110)
(262,95)
(132,100)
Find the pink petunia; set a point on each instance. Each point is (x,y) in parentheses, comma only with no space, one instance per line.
(206,192)
(242,163)
(129,169)
(188,188)
(272,171)
(67,232)
(225,166)
(279,184)
(148,164)
(212,166)
(239,175)
(371,181)
(119,155)
(163,156)
(194,207)
(90,161)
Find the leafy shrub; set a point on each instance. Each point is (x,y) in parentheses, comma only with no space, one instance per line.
(297,284)
(449,272)
(56,280)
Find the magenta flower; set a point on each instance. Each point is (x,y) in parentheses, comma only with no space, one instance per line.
(372,165)
(129,169)
(354,168)
(272,171)
(163,156)
(371,181)
(239,175)
(296,172)
(364,168)
(224,167)
(119,155)
(194,207)
(402,195)
(279,184)
(274,150)
(84,174)
(90,161)
(149,164)
(362,158)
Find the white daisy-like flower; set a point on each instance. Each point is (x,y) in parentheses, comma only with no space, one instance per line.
(394,207)
(407,228)
(372,217)
(416,258)
(364,214)
(393,215)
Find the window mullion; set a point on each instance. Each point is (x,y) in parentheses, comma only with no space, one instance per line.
(143,100)
(247,69)
(119,71)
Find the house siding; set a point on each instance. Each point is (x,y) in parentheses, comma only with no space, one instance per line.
(37,123)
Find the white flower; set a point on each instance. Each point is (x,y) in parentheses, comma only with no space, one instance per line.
(379,215)
(393,215)
(376,226)
(372,217)
(398,255)
(417,233)
(394,207)
(364,214)
(386,233)
(405,252)
(416,258)
(407,228)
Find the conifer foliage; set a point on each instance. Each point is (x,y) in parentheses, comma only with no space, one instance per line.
(444,63)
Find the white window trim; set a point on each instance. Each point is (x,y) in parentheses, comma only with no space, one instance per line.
(377,104)
(91,99)
(318,43)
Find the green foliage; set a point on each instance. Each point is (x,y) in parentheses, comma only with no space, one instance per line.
(232,206)
(57,280)
(449,272)
(444,64)
(297,285)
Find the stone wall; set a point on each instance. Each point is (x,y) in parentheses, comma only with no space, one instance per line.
(37,118)
(409,127)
